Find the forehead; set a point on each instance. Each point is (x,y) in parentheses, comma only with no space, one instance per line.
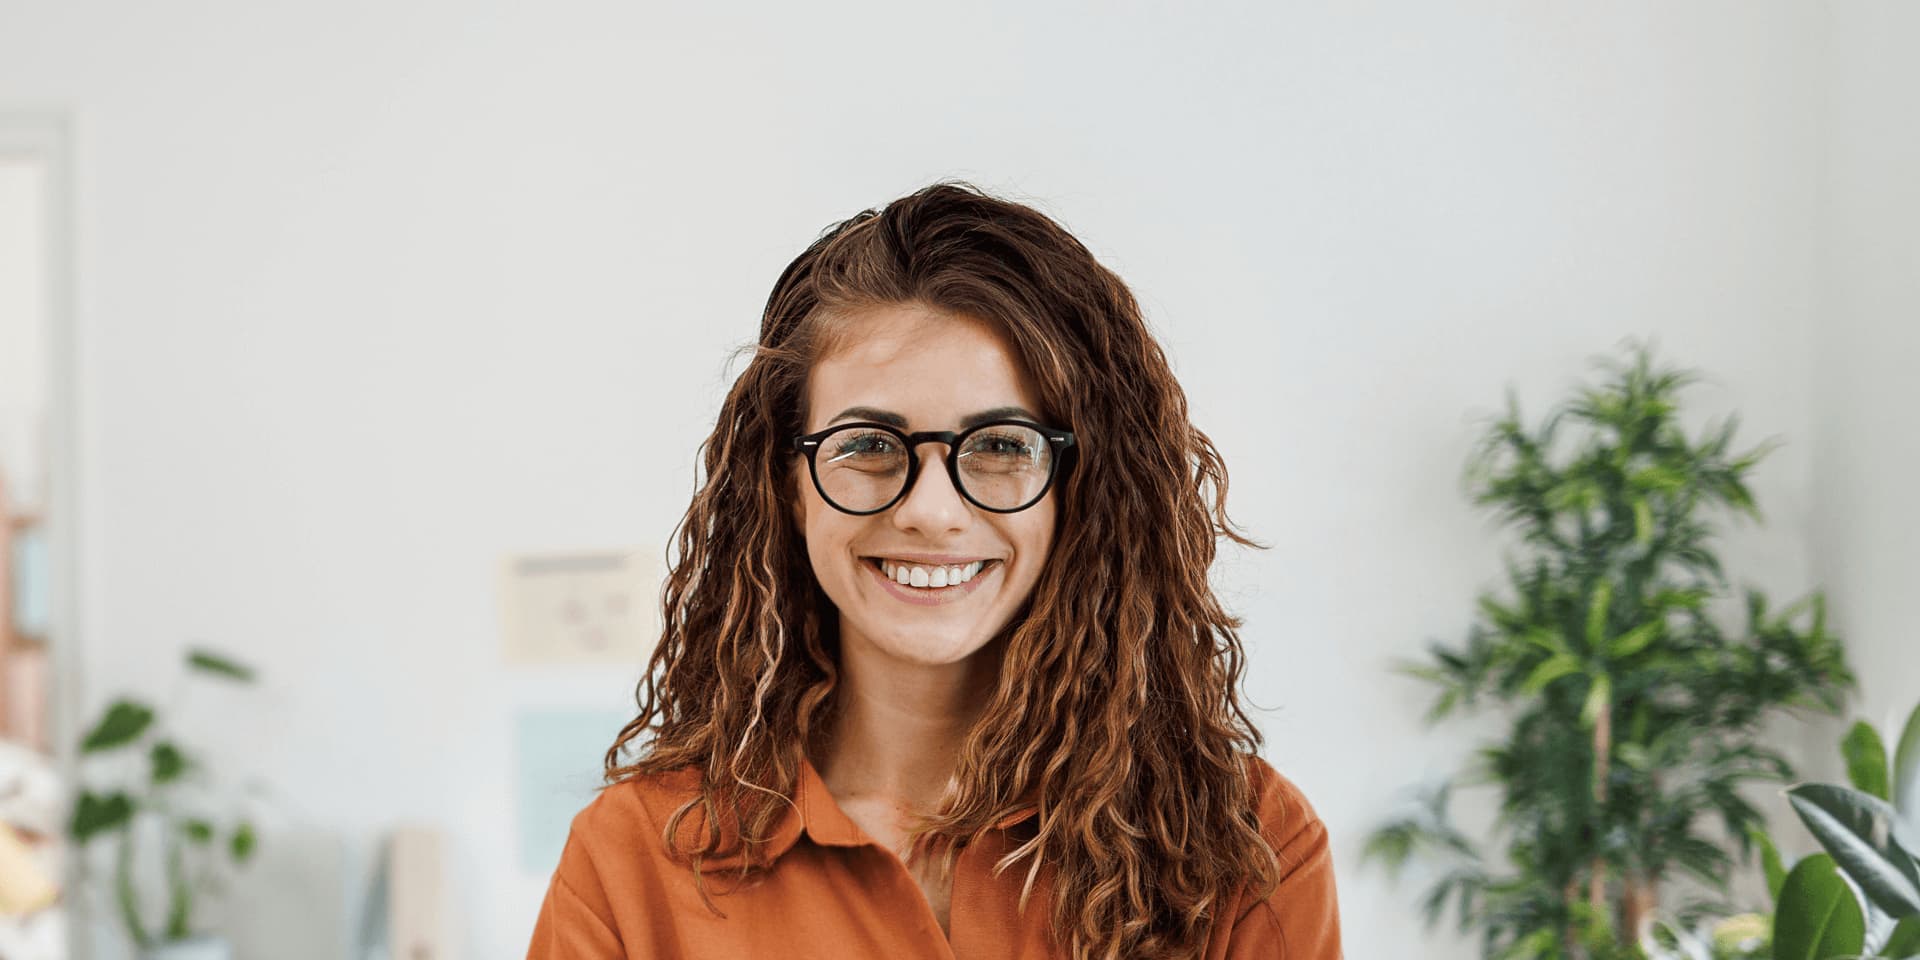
(931,365)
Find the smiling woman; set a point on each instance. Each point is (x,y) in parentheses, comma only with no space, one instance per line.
(941,672)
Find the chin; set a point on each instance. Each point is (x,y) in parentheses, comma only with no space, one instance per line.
(930,651)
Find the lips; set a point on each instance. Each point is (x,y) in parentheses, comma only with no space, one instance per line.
(929,596)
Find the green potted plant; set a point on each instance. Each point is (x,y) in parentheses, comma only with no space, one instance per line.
(1632,713)
(1859,898)
(129,735)
(1871,834)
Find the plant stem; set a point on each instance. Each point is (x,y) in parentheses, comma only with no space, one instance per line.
(1602,752)
(123,888)
(1638,903)
(180,899)
(1570,938)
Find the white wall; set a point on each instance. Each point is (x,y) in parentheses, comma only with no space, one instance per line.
(23,328)
(1868,358)
(371,294)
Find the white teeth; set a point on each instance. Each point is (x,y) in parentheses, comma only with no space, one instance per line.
(930,577)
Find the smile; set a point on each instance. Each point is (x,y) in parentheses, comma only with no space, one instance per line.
(957,580)
(922,575)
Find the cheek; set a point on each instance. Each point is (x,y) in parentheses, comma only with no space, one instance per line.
(825,534)
(1045,528)
(1035,542)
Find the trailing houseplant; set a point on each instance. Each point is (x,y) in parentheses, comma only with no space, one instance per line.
(1632,712)
(129,736)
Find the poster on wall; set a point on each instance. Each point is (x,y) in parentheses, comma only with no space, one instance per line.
(581,608)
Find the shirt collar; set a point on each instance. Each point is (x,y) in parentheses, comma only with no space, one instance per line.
(815,813)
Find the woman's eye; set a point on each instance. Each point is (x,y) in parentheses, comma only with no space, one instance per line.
(871,443)
(1003,446)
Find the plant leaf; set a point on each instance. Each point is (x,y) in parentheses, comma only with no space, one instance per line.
(123,723)
(199,831)
(1549,670)
(1906,771)
(206,661)
(1635,640)
(1546,639)
(242,843)
(1866,839)
(1642,522)
(1599,696)
(1597,614)
(94,814)
(1817,917)
(168,763)
(1769,861)
(1905,940)
(1866,759)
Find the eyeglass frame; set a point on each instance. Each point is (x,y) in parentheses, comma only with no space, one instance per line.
(1058,440)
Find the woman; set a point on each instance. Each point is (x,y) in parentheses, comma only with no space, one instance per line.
(942,675)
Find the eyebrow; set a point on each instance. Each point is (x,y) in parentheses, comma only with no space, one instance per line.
(893,419)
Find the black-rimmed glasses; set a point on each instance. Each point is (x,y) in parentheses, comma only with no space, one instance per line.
(1002,465)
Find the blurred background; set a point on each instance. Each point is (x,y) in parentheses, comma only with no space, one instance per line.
(354,356)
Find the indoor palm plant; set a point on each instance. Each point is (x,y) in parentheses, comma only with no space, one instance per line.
(1632,712)
(130,738)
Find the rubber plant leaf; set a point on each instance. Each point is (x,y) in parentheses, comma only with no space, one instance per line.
(1866,839)
(1905,941)
(1866,759)
(1817,917)
(1906,772)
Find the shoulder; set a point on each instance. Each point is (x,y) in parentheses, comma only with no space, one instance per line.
(1300,916)
(643,799)
(617,868)
(628,823)
(615,848)
(1288,820)
(631,815)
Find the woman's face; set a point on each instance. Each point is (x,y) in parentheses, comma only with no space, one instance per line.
(930,368)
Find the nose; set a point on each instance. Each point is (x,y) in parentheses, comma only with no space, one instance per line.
(933,504)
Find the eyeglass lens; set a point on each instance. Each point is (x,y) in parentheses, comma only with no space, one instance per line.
(1002,466)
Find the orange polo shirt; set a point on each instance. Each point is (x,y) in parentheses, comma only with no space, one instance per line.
(833,893)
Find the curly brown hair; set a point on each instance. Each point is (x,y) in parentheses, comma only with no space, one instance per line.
(1117,706)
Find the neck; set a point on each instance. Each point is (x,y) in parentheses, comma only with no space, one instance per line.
(898,726)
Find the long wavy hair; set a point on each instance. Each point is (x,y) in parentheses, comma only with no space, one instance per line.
(1117,707)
